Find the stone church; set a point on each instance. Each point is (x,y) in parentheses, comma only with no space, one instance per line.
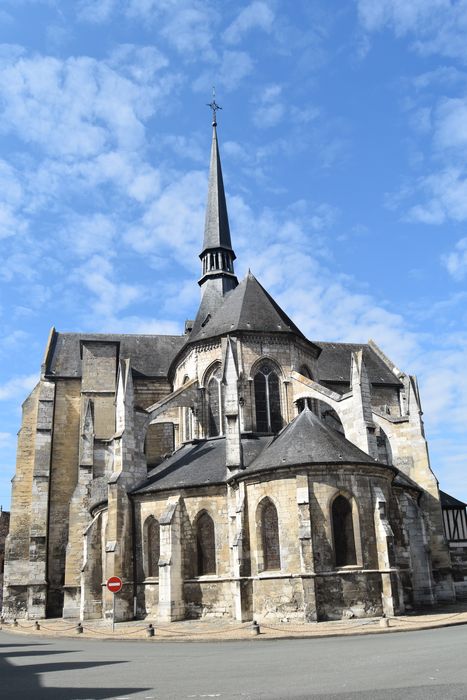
(239,470)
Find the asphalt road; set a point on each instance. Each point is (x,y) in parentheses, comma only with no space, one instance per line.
(408,666)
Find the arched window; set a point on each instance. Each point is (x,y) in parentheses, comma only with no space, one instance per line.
(186,418)
(270,535)
(267,399)
(214,392)
(342,525)
(205,545)
(152,546)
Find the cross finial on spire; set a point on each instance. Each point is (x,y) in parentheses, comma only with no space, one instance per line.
(214,106)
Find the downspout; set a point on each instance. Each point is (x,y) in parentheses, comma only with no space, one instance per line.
(133,540)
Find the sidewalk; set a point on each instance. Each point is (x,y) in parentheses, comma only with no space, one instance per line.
(225,630)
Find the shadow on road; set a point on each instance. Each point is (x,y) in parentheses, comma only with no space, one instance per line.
(25,680)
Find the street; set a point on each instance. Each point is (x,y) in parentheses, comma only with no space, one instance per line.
(411,665)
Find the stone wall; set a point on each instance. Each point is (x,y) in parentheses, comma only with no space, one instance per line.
(64,477)
(306,584)
(4,528)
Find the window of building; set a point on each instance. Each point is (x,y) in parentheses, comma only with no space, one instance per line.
(214,394)
(205,545)
(267,399)
(270,535)
(152,546)
(186,421)
(342,525)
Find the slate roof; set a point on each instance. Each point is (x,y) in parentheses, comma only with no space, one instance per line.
(335,360)
(448,501)
(405,481)
(198,464)
(216,228)
(151,355)
(248,307)
(308,440)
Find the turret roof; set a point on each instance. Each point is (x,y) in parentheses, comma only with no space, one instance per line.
(248,307)
(308,440)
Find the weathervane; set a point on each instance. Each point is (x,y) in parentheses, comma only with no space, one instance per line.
(214,106)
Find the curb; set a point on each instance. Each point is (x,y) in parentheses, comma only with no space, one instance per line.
(262,636)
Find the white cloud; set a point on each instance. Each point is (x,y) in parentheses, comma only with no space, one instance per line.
(95,11)
(109,294)
(80,107)
(11,201)
(12,340)
(18,387)
(270,109)
(437,26)
(400,15)
(235,66)
(447,197)
(257,15)
(174,220)
(139,63)
(7,440)
(227,72)
(90,234)
(451,124)
(456,261)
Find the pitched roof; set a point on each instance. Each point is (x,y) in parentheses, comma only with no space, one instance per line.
(448,501)
(248,307)
(335,361)
(308,440)
(150,355)
(198,464)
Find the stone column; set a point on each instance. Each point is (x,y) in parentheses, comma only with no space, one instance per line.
(171,600)
(384,546)
(241,584)
(306,548)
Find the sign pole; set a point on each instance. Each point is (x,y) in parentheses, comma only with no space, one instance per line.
(114,585)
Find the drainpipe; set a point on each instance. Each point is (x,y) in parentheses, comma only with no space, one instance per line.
(133,539)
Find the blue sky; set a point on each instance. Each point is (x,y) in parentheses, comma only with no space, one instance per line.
(344,145)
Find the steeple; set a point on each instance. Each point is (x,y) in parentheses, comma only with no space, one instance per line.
(217,256)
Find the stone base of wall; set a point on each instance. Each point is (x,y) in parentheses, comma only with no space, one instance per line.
(72,602)
(148,599)
(207,598)
(356,594)
(15,602)
(278,598)
(55,600)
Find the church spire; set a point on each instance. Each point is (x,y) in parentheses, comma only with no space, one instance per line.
(217,256)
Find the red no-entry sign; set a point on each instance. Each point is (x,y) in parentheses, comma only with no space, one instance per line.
(114,584)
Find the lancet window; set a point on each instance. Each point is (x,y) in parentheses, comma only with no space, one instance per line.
(267,399)
(343,531)
(152,546)
(214,395)
(269,524)
(205,545)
